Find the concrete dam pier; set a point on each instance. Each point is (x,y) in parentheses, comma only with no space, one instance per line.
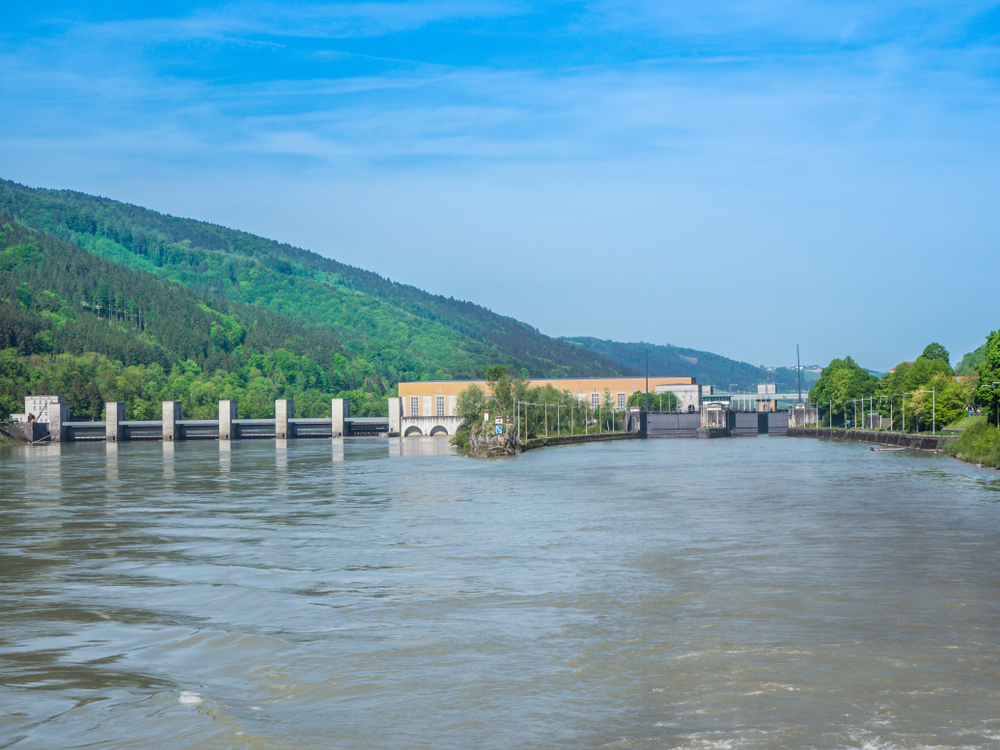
(229,426)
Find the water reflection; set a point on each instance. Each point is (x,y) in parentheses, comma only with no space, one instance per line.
(111,473)
(46,475)
(281,466)
(421,446)
(225,465)
(168,449)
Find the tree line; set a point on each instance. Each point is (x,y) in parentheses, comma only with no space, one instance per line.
(915,395)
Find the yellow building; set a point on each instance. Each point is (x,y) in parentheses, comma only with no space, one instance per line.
(438,398)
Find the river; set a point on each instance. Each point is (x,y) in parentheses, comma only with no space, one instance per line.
(741,593)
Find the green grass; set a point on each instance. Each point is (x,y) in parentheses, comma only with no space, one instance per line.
(965,422)
(979,444)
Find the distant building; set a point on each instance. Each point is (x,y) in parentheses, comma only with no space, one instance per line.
(439,398)
(43,409)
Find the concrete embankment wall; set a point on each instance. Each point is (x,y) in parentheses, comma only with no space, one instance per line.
(569,439)
(896,439)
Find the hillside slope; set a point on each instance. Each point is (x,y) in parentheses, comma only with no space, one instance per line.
(405,333)
(92,330)
(707,368)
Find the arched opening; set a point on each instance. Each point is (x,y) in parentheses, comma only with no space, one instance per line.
(439,430)
(690,408)
(412,432)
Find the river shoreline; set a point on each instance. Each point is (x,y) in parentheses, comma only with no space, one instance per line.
(916,442)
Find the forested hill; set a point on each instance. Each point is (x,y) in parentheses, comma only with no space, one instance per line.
(93,331)
(403,332)
(675,361)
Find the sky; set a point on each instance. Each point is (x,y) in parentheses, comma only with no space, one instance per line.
(738,177)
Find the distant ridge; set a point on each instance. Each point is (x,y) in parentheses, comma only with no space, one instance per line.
(706,367)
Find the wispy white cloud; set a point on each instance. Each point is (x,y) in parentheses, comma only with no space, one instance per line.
(778,22)
(256,20)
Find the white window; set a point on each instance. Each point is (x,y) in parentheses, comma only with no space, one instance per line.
(414,406)
(440,406)
(621,402)
(595,400)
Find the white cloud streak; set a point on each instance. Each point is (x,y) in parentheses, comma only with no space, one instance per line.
(254,20)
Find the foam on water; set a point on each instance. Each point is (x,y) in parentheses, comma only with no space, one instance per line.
(189,698)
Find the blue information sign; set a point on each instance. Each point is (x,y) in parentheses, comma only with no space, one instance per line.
(499,429)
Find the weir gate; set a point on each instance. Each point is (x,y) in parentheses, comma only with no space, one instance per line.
(228,426)
(720,423)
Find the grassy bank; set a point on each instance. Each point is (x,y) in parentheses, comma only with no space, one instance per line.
(966,422)
(979,444)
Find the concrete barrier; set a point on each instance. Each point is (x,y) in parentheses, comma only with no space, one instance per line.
(915,442)
(171,413)
(114,416)
(672,424)
(228,413)
(543,442)
(284,410)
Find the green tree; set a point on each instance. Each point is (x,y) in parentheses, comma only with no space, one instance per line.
(941,401)
(840,384)
(666,401)
(935,352)
(988,392)
(471,403)
(902,391)
(501,389)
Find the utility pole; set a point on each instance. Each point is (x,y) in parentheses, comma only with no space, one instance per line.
(647,378)
(798,371)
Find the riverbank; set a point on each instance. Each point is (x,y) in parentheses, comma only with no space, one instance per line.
(916,442)
(7,436)
(979,444)
(542,442)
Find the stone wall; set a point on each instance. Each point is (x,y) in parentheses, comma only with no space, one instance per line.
(572,439)
(895,439)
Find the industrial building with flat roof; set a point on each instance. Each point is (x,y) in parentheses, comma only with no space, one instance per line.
(438,398)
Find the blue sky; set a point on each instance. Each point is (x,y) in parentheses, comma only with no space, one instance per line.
(731,176)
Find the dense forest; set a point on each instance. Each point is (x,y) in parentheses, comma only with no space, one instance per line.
(91,330)
(403,332)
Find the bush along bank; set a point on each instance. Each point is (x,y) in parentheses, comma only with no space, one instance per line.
(980,444)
